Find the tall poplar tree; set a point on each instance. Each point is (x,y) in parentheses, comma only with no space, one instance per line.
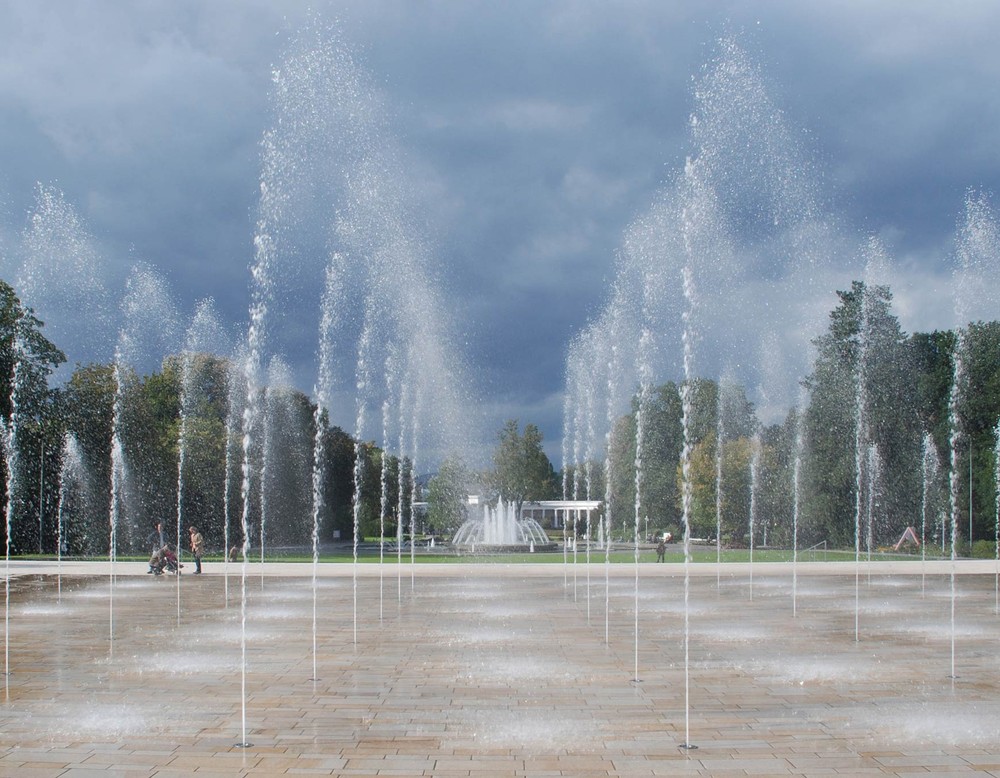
(892,423)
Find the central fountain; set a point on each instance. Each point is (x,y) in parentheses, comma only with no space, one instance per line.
(500,528)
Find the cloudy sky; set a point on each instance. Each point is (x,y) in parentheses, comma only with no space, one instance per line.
(532,135)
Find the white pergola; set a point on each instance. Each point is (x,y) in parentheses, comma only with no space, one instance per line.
(563,510)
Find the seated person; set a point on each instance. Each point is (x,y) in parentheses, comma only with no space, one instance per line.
(156,542)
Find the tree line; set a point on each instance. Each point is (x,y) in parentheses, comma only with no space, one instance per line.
(54,502)
(906,382)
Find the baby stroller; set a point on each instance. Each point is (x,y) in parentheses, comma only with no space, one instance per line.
(168,562)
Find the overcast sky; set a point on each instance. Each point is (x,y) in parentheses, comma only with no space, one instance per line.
(533,134)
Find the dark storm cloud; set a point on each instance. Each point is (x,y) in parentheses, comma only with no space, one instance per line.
(148,117)
(533,135)
(896,101)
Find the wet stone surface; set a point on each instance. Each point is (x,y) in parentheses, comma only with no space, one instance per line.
(499,671)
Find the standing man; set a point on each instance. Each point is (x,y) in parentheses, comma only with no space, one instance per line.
(197,548)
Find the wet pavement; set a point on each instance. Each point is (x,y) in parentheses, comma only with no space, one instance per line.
(501,670)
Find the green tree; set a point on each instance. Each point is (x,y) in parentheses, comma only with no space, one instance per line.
(892,422)
(338,484)
(663,441)
(148,429)
(979,411)
(735,507)
(369,509)
(25,349)
(932,357)
(661,451)
(447,496)
(289,468)
(204,382)
(621,453)
(88,409)
(22,341)
(522,471)
(775,487)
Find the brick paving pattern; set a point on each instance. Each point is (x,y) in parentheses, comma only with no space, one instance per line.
(499,670)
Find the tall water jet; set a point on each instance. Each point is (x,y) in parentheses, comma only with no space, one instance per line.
(734,424)
(329,305)
(60,279)
(352,161)
(363,372)
(958,385)
(570,399)
(567,414)
(149,331)
(285,460)
(236,396)
(996,515)
(414,459)
(687,494)
(746,182)
(118,481)
(204,344)
(977,244)
(244,554)
(11,450)
(272,396)
(869,300)
(590,402)
(388,404)
(640,418)
(6,586)
(798,454)
(756,450)
(57,279)
(720,440)
(612,364)
(643,267)
(579,392)
(697,202)
(306,135)
(930,472)
(860,436)
(619,332)
(72,480)
(873,468)
(269,401)
(278,164)
(405,395)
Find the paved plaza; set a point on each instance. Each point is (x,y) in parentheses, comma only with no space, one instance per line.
(501,670)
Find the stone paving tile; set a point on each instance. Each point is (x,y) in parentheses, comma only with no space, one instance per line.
(922,760)
(983,761)
(495,670)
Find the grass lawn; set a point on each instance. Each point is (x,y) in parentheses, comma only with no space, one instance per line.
(369,554)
